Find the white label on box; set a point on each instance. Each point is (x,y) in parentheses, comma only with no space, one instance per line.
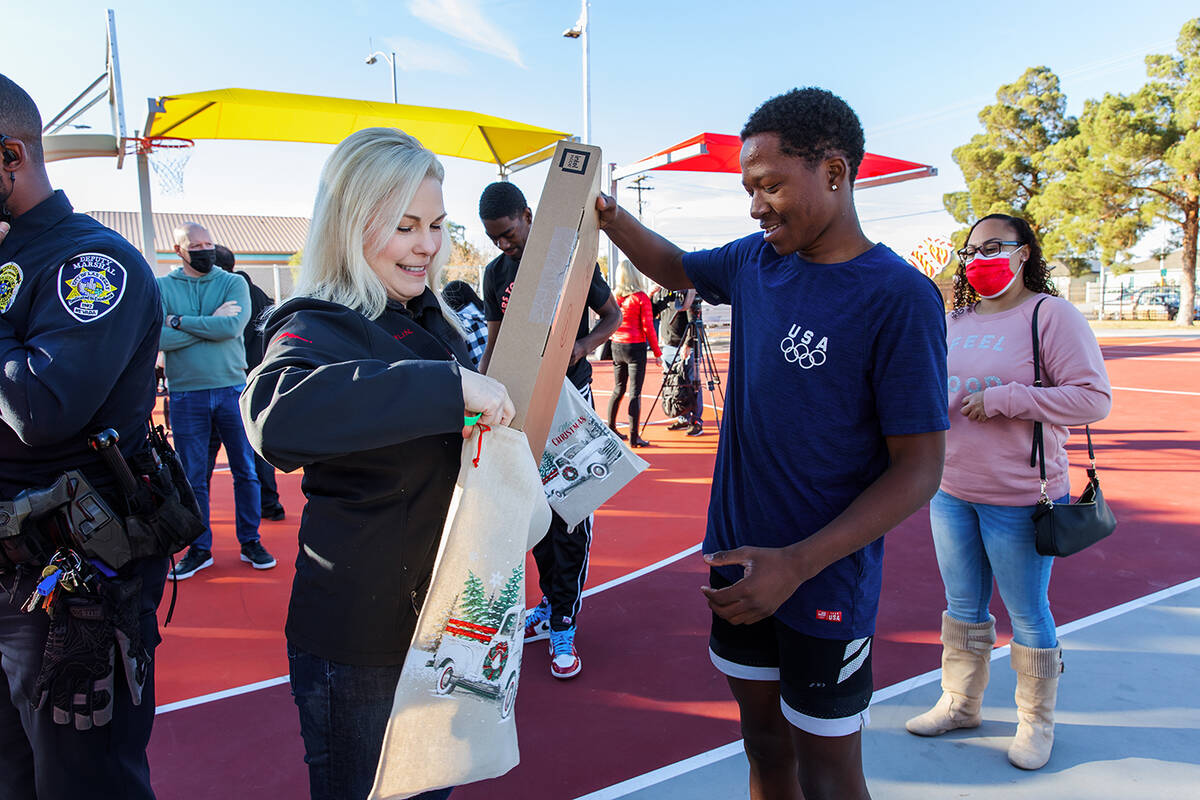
(558,259)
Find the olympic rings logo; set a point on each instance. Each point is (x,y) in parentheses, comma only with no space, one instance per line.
(799,353)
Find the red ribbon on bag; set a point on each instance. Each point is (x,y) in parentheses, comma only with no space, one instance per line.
(482,430)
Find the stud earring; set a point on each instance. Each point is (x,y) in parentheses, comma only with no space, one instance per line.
(834,187)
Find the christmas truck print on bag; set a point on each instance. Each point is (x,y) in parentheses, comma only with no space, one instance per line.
(587,457)
(479,648)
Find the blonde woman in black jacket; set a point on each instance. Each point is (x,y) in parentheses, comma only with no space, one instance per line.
(365,384)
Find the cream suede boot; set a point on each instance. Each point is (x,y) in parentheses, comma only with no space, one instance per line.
(1037,689)
(966,656)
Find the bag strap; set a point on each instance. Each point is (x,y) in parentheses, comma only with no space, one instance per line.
(1038,454)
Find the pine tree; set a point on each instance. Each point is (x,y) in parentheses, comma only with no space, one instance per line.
(510,595)
(1136,160)
(1004,167)
(473,606)
(436,641)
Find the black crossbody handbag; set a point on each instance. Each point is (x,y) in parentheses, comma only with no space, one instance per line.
(1066,528)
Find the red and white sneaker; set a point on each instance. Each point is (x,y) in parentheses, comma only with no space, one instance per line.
(564,661)
(537,622)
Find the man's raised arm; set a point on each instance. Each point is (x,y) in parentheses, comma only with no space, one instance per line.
(653,255)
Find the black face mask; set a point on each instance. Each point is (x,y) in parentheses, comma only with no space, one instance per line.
(202,260)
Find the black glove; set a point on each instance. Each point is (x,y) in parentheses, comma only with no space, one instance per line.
(123,600)
(86,633)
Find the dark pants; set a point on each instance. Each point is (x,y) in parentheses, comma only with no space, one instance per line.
(40,760)
(344,712)
(629,361)
(194,416)
(562,562)
(268,489)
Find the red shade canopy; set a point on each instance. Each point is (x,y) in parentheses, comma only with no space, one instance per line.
(719,152)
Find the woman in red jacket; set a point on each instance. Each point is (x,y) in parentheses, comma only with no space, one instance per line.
(629,348)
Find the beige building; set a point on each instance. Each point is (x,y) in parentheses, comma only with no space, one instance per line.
(261,245)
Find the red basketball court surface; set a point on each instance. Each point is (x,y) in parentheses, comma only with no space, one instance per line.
(648,696)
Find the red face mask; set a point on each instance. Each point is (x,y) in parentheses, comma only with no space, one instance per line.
(991,277)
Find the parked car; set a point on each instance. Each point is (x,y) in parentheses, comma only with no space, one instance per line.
(1157,301)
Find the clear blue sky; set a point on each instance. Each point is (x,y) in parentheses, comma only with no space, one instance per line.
(916,73)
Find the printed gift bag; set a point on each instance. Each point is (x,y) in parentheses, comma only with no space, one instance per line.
(452,720)
(584,463)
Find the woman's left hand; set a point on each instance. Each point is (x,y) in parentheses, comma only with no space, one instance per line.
(972,407)
(487,397)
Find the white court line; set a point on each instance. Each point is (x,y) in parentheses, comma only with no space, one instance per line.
(1156,391)
(1115,341)
(282,679)
(221,695)
(662,774)
(639,573)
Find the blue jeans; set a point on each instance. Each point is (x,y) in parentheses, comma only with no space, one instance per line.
(976,542)
(344,711)
(194,415)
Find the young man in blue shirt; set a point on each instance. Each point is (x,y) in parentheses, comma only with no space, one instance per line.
(833,434)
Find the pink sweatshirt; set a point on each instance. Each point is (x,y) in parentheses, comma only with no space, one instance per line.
(988,462)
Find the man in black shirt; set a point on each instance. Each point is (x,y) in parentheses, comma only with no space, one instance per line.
(562,555)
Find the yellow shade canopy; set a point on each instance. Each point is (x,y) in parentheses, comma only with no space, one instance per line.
(282,117)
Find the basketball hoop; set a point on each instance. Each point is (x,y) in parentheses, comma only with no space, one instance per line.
(168,156)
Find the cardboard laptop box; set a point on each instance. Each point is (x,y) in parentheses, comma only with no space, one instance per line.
(533,346)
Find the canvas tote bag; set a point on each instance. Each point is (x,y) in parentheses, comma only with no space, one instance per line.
(452,720)
(584,463)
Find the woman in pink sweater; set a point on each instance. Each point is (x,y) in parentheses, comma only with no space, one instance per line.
(980,517)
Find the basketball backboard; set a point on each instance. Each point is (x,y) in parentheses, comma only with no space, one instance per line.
(106,88)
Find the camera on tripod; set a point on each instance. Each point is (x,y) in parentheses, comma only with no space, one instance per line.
(678,297)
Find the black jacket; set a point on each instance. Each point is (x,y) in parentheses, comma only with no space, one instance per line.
(260,301)
(80,318)
(373,412)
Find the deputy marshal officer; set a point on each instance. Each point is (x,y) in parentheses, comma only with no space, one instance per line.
(80,319)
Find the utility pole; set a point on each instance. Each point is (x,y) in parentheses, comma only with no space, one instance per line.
(639,188)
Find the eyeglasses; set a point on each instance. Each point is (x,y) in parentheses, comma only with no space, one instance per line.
(989,249)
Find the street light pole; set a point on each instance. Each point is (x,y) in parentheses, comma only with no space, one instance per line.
(587,73)
(580,31)
(392,63)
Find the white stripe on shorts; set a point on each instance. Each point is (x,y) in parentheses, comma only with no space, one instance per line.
(843,726)
(746,673)
(853,666)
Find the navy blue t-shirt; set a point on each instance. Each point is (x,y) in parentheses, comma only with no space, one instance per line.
(826,360)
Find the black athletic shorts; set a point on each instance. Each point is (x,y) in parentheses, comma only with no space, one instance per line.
(824,684)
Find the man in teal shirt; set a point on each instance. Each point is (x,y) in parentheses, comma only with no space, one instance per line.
(205,312)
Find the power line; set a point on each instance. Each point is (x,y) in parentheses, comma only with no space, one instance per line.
(901,216)
(639,188)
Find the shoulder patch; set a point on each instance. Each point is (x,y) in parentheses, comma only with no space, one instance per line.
(10,283)
(90,285)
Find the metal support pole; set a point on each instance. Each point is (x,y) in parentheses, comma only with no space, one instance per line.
(612,247)
(393,63)
(149,252)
